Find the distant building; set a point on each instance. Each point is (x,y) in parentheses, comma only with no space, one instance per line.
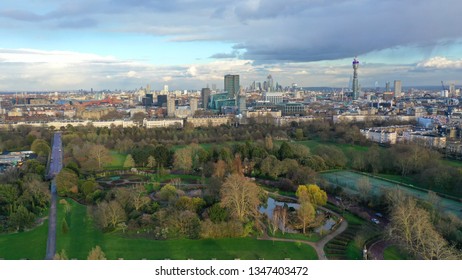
(397,88)
(162,123)
(205,96)
(241,103)
(382,136)
(193,105)
(273,97)
(171,106)
(425,138)
(232,85)
(208,121)
(162,100)
(355,79)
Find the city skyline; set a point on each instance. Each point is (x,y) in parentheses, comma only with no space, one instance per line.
(56,45)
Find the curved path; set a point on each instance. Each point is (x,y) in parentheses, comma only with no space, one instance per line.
(319,245)
(377,248)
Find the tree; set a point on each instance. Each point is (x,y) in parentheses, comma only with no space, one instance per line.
(285,151)
(40,147)
(88,187)
(268,142)
(241,196)
(129,162)
(182,159)
(67,182)
(151,162)
(100,154)
(96,253)
(21,219)
(111,214)
(306,214)
(139,198)
(61,255)
(364,188)
(167,193)
(219,170)
(411,226)
(312,194)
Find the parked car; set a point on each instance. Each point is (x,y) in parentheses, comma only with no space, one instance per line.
(375,221)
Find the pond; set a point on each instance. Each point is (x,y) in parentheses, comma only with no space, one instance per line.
(271,203)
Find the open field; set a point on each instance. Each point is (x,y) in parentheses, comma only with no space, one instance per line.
(394,253)
(83,235)
(25,245)
(117,160)
(348,181)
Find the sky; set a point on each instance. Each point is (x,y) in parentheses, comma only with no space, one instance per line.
(189,44)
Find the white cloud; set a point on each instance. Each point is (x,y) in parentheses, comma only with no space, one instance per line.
(440,62)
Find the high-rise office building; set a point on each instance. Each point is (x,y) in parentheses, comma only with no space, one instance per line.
(269,83)
(387,87)
(232,85)
(242,106)
(205,96)
(397,88)
(171,106)
(148,100)
(355,79)
(162,100)
(193,105)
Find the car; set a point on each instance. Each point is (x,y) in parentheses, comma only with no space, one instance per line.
(375,221)
(379,215)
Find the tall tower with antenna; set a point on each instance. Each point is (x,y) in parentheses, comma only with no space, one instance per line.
(355,79)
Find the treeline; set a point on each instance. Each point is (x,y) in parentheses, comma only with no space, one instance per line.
(24,196)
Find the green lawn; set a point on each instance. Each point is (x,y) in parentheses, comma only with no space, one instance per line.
(453,163)
(394,253)
(117,160)
(25,245)
(402,179)
(82,236)
(313,237)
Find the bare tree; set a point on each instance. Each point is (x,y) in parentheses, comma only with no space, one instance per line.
(306,214)
(411,226)
(241,196)
(96,253)
(100,154)
(110,214)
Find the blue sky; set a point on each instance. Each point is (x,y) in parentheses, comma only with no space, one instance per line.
(187,44)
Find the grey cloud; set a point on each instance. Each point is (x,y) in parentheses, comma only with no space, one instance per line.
(79,23)
(21,15)
(268,31)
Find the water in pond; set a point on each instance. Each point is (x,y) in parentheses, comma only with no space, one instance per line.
(271,204)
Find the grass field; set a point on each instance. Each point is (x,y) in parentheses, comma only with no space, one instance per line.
(348,181)
(117,160)
(83,235)
(394,253)
(25,245)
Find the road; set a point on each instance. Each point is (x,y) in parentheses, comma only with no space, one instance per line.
(55,166)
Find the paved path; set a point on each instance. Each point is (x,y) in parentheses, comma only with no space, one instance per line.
(319,245)
(377,248)
(55,166)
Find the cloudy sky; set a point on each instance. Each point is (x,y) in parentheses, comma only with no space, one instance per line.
(187,44)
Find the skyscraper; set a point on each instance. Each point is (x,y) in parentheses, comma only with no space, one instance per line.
(193,105)
(242,106)
(397,88)
(205,96)
(355,79)
(387,86)
(170,106)
(269,83)
(232,85)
